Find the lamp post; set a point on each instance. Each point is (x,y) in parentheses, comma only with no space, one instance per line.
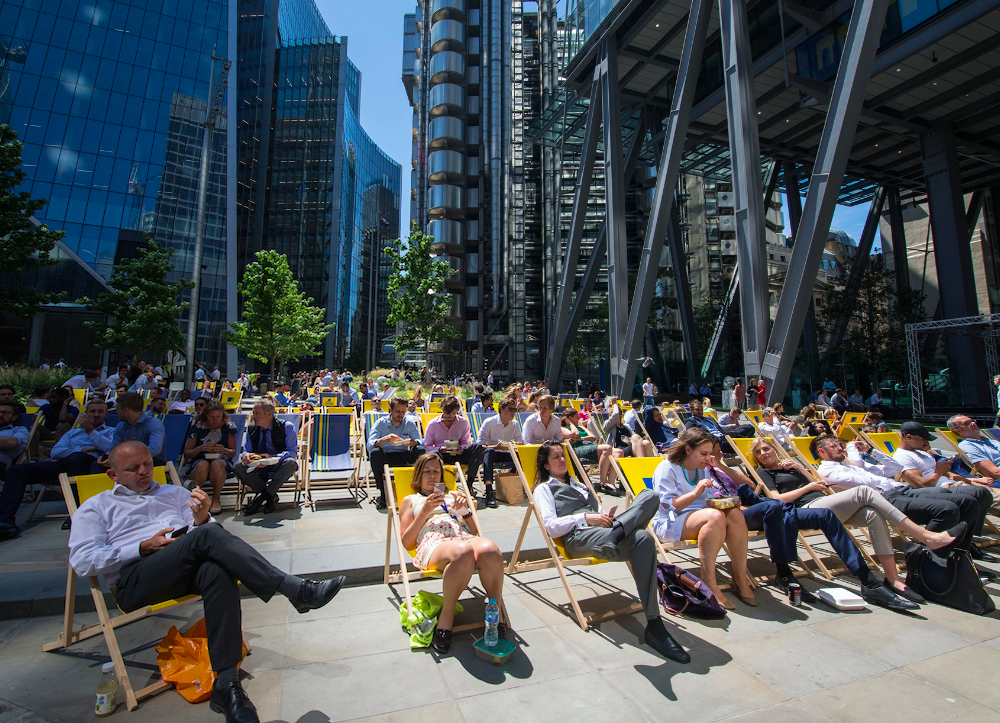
(212,112)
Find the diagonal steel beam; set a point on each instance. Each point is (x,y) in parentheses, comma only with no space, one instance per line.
(841,123)
(897,234)
(571,257)
(860,263)
(614,203)
(666,183)
(748,192)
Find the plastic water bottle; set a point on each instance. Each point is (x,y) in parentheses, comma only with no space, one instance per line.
(492,621)
(107,691)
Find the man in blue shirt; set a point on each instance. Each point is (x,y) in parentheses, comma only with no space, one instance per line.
(74,453)
(135,426)
(394,440)
(349,396)
(484,405)
(364,392)
(13,437)
(719,431)
(267,438)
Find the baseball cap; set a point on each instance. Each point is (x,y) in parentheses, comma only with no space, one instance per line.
(914,428)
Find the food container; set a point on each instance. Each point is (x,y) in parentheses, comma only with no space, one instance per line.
(498,654)
(723,503)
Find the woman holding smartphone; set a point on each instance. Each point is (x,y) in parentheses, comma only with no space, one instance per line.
(440,524)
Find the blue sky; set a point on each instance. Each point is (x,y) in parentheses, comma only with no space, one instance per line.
(374,31)
(845,218)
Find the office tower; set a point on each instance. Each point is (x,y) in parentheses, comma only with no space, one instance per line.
(110,104)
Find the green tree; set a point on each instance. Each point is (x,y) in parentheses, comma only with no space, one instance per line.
(280,323)
(23,246)
(417,301)
(577,356)
(876,313)
(141,312)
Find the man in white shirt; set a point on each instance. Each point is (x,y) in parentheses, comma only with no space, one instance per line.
(184,404)
(489,380)
(497,431)
(632,415)
(115,379)
(569,510)
(857,400)
(543,425)
(145,381)
(216,374)
(772,426)
(731,419)
(875,400)
(125,535)
(83,381)
(199,373)
(935,508)
(648,392)
(860,454)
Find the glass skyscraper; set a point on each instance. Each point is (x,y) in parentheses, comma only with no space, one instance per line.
(109,99)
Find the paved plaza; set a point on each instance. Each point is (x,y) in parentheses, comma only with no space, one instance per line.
(351,660)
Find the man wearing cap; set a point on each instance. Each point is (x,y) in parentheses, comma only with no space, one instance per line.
(924,469)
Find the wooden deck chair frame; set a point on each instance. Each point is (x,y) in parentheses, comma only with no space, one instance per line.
(394,535)
(814,473)
(557,558)
(107,624)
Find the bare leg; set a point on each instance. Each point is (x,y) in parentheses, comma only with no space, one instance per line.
(708,526)
(217,474)
(458,561)
(933,540)
(199,473)
(737,541)
(489,564)
(637,449)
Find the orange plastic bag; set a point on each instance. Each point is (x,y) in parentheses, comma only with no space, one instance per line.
(184,661)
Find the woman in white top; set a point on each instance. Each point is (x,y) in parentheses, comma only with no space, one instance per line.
(543,425)
(770,425)
(684,485)
(443,530)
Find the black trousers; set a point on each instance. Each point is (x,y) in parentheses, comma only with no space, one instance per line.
(939,508)
(494,458)
(21,475)
(379,459)
(207,561)
(471,456)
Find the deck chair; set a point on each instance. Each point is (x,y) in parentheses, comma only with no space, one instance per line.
(524,456)
(370,418)
(755,416)
(328,453)
(294,484)
(434,407)
(87,486)
(577,404)
(231,400)
(887,442)
(847,432)
(426,418)
(521,418)
(175,427)
(81,397)
(993,433)
(953,439)
(395,492)
(175,390)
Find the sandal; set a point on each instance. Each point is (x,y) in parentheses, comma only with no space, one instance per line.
(213,511)
(441,641)
(502,630)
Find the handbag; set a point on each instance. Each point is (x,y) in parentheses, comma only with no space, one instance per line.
(952,581)
(681,593)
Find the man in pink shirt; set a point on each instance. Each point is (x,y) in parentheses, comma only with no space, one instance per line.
(449,436)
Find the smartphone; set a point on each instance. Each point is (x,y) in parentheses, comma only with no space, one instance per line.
(611,514)
(441,487)
(180,531)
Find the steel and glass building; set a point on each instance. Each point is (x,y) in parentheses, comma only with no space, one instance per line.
(109,99)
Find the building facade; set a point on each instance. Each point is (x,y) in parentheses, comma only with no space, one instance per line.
(110,101)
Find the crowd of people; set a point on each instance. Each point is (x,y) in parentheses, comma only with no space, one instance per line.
(126,534)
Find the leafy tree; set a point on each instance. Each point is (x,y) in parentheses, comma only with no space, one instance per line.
(577,356)
(417,302)
(23,245)
(280,323)
(142,310)
(876,313)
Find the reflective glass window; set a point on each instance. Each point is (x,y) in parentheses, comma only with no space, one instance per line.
(47,164)
(95,41)
(77,207)
(78,37)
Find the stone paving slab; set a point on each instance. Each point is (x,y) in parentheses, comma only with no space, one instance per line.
(351,662)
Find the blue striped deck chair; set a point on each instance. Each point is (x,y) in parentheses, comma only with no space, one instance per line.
(993,433)
(521,418)
(175,427)
(389,393)
(437,396)
(468,404)
(329,456)
(476,422)
(370,418)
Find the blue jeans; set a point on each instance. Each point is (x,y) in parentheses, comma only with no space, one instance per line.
(781,522)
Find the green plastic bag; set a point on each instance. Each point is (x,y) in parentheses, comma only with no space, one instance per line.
(420,625)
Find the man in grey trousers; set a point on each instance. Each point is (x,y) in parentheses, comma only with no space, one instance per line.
(570,511)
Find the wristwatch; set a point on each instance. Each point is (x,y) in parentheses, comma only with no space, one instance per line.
(467,515)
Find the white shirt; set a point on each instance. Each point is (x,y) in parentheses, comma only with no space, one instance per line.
(493,432)
(108,528)
(884,465)
(182,406)
(77,382)
(489,380)
(559,526)
(823,399)
(920,461)
(113,380)
(727,420)
(535,432)
(847,475)
(142,384)
(647,389)
(857,399)
(777,430)
(215,375)
(629,420)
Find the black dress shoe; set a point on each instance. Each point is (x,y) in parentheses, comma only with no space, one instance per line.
(491,499)
(67,523)
(667,647)
(441,641)
(9,532)
(807,597)
(269,504)
(313,595)
(907,593)
(978,554)
(380,503)
(985,575)
(251,507)
(879,595)
(231,700)
(502,631)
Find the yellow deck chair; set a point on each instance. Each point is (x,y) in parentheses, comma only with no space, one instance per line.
(755,416)
(577,404)
(81,397)
(395,493)
(336,410)
(87,486)
(800,446)
(231,400)
(434,407)
(847,432)
(887,442)
(426,418)
(524,456)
